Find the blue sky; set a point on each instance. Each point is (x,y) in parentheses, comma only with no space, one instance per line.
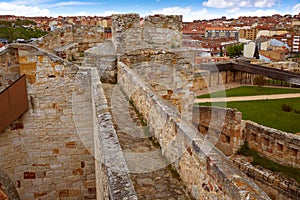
(191,10)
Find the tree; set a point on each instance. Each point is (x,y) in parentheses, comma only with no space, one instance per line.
(235,50)
(256,52)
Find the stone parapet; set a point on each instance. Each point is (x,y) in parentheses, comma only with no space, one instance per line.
(277,145)
(204,170)
(275,185)
(159,31)
(42,152)
(7,188)
(222,124)
(163,30)
(103,57)
(112,174)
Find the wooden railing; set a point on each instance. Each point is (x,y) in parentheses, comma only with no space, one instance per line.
(13,102)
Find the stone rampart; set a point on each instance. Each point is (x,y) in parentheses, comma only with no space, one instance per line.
(274,184)
(7,188)
(277,145)
(203,169)
(42,152)
(163,30)
(112,175)
(168,72)
(103,57)
(223,124)
(85,37)
(9,67)
(158,31)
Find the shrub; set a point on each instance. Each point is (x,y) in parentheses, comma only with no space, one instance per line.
(297,111)
(286,108)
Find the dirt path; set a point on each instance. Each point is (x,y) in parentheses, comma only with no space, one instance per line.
(248,98)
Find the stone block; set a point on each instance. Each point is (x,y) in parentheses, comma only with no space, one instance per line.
(29,175)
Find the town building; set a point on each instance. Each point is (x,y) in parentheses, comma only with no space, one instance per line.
(221,32)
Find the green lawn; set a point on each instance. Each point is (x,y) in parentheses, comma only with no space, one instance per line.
(269,113)
(251,91)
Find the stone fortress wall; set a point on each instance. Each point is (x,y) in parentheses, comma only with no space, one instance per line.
(42,151)
(276,145)
(149,75)
(50,149)
(70,41)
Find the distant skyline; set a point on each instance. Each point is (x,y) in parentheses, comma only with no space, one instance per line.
(191,10)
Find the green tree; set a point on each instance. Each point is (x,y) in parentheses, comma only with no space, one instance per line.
(235,50)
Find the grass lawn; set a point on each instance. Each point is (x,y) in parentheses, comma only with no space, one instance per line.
(269,113)
(251,91)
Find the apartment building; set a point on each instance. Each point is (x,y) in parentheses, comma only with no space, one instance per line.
(221,32)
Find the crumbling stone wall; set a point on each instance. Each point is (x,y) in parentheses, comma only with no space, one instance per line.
(205,172)
(169,73)
(158,31)
(7,188)
(9,67)
(103,57)
(163,30)
(275,185)
(224,125)
(86,37)
(274,144)
(112,175)
(42,152)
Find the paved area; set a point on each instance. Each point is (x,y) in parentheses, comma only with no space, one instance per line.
(150,175)
(248,98)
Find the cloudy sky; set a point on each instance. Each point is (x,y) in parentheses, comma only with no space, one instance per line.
(190,9)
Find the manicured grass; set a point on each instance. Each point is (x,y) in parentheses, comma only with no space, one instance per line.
(288,171)
(269,113)
(251,91)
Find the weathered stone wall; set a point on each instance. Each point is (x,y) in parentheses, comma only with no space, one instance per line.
(274,184)
(69,52)
(126,32)
(86,37)
(163,30)
(9,67)
(222,124)
(169,73)
(42,152)
(203,169)
(112,175)
(158,31)
(7,188)
(103,57)
(274,144)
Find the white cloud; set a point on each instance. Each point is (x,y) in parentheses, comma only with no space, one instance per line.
(188,13)
(296,9)
(218,3)
(264,3)
(240,3)
(71,3)
(22,10)
(259,12)
(244,4)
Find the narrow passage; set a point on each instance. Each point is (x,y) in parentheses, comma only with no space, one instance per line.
(150,172)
